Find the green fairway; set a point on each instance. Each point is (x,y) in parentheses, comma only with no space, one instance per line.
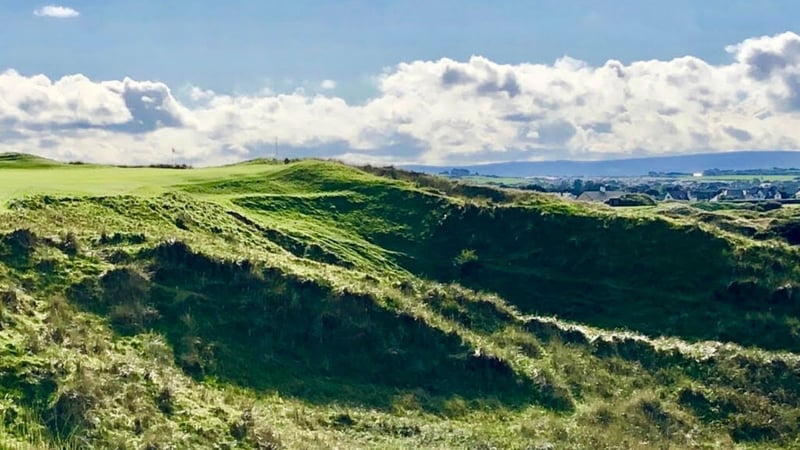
(762,178)
(509,181)
(82,180)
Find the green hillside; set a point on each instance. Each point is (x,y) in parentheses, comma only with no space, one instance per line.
(317,305)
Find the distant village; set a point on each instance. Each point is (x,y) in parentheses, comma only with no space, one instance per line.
(709,186)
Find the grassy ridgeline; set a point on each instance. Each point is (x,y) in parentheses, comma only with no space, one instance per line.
(314,305)
(648,274)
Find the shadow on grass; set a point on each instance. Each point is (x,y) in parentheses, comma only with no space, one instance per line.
(645,275)
(269,331)
(755,398)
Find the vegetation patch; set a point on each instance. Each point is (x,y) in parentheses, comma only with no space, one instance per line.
(310,304)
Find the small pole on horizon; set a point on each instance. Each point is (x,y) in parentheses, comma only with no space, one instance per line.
(276,147)
(173,156)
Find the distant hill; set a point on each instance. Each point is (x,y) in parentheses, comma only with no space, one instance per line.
(24,161)
(632,167)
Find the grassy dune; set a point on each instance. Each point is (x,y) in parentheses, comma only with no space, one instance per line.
(317,305)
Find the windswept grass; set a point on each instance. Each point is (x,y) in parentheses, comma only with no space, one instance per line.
(317,305)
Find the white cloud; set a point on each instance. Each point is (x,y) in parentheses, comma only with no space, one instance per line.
(429,111)
(327,85)
(55,11)
(200,95)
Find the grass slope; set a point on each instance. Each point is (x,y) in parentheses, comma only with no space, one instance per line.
(317,305)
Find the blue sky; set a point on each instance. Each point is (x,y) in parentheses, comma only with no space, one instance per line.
(241,49)
(241,45)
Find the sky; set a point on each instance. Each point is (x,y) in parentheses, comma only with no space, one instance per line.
(386,82)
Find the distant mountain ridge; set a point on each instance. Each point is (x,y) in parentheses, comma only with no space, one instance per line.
(740,160)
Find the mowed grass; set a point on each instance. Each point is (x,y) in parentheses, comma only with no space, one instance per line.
(27,177)
(762,178)
(509,181)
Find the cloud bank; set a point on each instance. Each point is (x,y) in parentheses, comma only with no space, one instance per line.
(55,11)
(442,111)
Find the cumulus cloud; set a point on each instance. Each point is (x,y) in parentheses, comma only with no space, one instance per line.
(55,11)
(328,84)
(442,111)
